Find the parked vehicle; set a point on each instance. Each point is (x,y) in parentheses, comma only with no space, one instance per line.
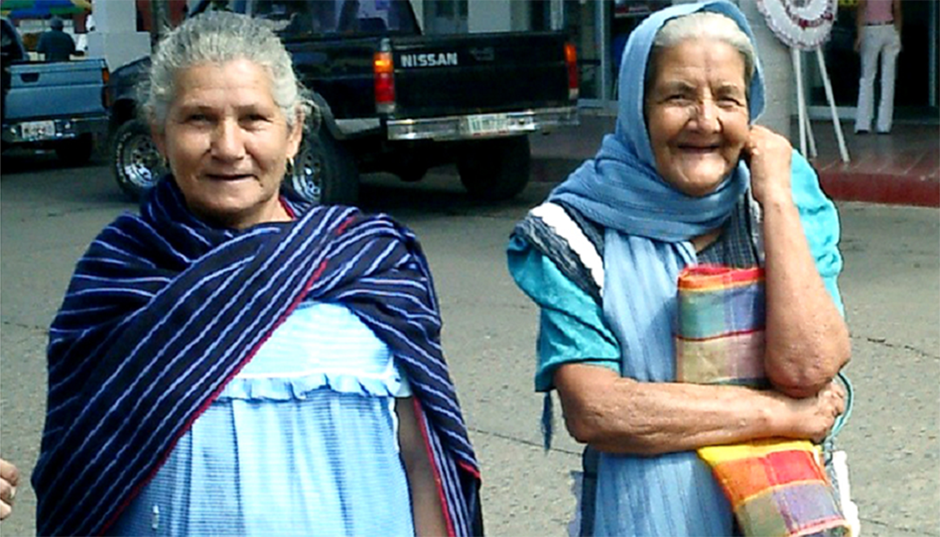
(392,99)
(57,105)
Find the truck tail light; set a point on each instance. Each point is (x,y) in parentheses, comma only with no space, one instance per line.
(384,69)
(105,92)
(571,60)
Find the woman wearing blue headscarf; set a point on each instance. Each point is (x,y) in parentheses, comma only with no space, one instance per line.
(687,178)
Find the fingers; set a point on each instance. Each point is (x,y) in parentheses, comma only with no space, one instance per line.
(762,139)
(9,478)
(841,402)
(9,472)
(831,405)
(768,157)
(7,493)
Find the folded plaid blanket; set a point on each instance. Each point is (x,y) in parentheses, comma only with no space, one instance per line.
(776,487)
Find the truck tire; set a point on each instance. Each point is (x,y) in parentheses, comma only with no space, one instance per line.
(325,171)
(495,169)
(76,151)
(135,161)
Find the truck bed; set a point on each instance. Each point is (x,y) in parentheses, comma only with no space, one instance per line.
(479,73)
(55,90)
(438,75)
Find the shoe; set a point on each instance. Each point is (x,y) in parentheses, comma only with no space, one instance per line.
(884,132)
(862,131)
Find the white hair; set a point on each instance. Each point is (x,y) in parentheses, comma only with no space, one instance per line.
(707,25)
(219,37)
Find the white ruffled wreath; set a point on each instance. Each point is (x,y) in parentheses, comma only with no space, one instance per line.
(802,24)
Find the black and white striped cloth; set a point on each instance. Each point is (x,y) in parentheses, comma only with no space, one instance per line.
(163,310)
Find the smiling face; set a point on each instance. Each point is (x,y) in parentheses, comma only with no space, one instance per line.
(228,142)
(696,113)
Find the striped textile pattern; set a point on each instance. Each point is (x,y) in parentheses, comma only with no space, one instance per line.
(163,310)
(776,487)
(570,241)
(721,325)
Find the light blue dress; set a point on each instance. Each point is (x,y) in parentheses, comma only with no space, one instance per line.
(670,495)
(303,441)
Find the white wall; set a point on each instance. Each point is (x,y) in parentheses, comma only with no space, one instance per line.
(116,38)
(779,79)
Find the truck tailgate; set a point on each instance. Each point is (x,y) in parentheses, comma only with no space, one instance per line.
(479,73)
(66,89)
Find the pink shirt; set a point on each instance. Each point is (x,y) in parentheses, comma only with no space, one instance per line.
(878,11)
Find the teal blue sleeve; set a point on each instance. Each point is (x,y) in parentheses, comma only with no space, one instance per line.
(571,324)
(820,224)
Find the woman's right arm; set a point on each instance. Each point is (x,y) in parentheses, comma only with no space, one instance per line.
(578,356)
(620,415)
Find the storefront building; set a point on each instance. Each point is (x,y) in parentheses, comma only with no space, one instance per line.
(599,29)
(917,87)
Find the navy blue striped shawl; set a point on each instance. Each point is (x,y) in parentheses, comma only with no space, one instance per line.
(163,310)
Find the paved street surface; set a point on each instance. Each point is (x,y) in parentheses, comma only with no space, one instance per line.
(891,288)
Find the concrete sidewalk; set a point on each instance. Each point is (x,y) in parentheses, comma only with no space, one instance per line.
(901,168)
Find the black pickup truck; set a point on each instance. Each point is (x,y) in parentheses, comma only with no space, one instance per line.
(392,99)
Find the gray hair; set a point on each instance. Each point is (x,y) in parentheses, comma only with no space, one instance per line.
(707,25)
(218,37)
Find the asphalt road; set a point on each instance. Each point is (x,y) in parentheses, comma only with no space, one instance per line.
(891,287)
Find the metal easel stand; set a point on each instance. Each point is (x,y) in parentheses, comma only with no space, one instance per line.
(804,122)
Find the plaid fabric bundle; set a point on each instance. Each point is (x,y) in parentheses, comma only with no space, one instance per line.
(721,326)
(777,488)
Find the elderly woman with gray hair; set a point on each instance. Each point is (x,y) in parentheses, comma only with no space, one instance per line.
(685,179)
(233,362)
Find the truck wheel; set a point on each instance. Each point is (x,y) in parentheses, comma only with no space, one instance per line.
(135,161)
(495,169)
(76,151)
(325,172)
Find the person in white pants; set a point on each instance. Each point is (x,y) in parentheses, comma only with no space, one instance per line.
(879,33)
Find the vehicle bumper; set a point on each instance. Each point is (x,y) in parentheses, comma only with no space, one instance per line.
(481,125)
(52,130)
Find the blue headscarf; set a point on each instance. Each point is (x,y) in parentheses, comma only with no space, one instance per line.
(649,225)
(621,188)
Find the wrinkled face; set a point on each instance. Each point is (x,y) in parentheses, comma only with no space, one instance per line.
(228,142)
(696,113)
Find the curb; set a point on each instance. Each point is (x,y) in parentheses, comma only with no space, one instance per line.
(879,188)
(838,185)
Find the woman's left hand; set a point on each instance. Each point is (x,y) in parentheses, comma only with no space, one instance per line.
(767,155)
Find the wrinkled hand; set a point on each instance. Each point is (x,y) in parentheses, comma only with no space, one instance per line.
(9,477)
(767,155)
(815,416)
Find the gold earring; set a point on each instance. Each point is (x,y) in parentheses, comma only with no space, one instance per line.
(290,167)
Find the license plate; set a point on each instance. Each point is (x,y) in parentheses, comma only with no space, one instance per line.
(38,130)
(484,124)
